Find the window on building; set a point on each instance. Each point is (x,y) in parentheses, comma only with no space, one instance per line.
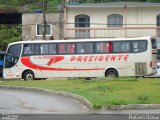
(115,20)
(40,29)
(82,21)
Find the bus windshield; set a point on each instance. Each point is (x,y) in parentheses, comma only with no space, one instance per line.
(12,55)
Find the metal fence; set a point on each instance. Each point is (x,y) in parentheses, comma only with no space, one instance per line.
(110,32)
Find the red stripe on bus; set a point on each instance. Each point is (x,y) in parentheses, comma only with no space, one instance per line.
(26,61)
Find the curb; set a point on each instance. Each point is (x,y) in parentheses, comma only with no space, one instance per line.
(132,107)
(65,94)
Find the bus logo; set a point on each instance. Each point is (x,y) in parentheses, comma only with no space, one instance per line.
(52,59)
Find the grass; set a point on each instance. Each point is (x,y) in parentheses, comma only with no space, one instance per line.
(101,91)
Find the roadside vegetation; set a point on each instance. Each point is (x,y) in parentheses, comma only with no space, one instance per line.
(102,91)
(8,34)
(52,5)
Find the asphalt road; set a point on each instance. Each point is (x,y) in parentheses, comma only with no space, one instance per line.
(28,102)
(28,105)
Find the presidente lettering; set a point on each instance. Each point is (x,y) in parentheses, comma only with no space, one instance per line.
(88,58)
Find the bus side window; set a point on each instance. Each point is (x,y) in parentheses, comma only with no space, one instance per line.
(36,49)
(126,47)
(52,49)
(135,46)
(106,47)
(122,47)
(44,49)
(86,48)
(89,48)
(67,48)
(80,48)
(102,47)
(28,49)
(71,48)
(116,47)
(62,48)
(82,51)
(142,46)
(139,46)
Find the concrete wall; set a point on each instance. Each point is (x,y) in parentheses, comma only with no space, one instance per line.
(30,21)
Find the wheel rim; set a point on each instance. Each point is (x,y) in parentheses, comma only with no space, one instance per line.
(112,75)
(29,77)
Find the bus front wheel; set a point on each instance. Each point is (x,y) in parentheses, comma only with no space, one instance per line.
(28,75)
(111,73)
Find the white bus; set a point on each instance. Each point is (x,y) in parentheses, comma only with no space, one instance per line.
(87,58)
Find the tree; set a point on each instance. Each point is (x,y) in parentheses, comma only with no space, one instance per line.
(8,34)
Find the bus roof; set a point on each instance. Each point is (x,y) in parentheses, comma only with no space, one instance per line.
(79,40)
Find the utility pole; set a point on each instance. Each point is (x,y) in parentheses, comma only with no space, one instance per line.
(44,20)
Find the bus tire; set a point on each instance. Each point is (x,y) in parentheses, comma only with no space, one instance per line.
(28,75)
(111,73)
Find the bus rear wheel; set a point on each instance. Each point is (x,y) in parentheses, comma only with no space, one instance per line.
(111,73)
(29,75)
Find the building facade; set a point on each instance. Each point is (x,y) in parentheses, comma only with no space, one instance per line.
(32,26)
(114,19)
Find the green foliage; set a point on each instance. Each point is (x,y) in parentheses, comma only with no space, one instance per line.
(32,5)
(52,4)
(96,1)
(8,34)
(143,97)
(152,0)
